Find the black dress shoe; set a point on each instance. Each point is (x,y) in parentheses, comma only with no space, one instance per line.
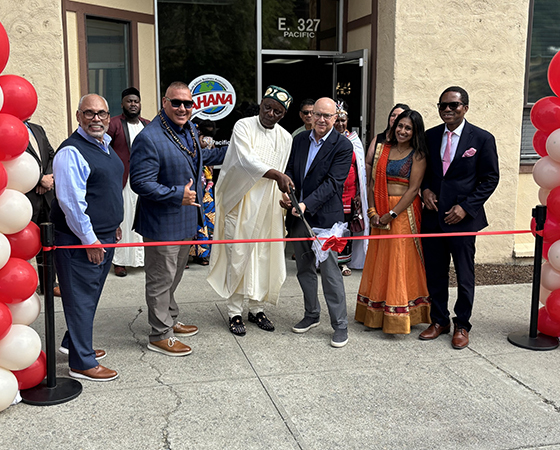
(236,326)
(262,321)
(120,271)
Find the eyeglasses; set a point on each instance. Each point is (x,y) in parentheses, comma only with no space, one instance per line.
(89,114)
(306,113)
(452,105)
(325,116)
(176,103)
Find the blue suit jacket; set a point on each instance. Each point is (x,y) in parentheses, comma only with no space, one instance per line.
(159,172)
(468,182)
(322,186)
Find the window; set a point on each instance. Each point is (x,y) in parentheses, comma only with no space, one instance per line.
(108,59)
(545,43)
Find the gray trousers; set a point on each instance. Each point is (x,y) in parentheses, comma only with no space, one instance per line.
(164,267)
(331,279)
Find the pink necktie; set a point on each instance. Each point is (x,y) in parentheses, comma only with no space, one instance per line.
(447,153)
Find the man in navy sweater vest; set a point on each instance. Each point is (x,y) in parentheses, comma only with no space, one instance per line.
(87,210)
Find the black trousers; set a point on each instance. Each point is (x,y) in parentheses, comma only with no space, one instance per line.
(438,252)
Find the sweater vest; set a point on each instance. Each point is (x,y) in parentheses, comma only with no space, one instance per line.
(103,189)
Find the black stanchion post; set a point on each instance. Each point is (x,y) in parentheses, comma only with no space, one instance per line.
(53,390)
(534,340)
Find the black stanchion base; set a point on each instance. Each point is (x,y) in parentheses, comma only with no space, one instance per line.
(541,342)
(66,389)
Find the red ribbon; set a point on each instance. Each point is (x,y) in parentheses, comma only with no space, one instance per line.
(335,244)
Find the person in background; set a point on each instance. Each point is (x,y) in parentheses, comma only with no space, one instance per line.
(354,195)
(42,195)
(305,114)
(393,294)
(200,253)
(383,136)
(123,129)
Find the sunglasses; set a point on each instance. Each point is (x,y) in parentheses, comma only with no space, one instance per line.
(452,105)
(176,103)
(306,113)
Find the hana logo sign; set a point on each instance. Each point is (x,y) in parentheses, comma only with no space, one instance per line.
(213,96)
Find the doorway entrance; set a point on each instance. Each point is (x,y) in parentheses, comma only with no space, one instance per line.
(339,76)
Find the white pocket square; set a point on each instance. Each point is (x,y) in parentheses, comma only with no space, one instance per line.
(470,152)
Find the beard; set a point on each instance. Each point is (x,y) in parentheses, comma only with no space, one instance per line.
(131,115)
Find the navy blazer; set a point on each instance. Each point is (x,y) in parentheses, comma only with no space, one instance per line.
(321,189)
(468,182)
(159,172)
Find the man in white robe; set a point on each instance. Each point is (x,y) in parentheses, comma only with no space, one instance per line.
(248,193)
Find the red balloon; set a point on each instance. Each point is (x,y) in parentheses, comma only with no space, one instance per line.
(539,142)
(18,281)
(553,305)
(551,232)
(534,227)
(26,243)
(553,202)
(546,325)
(20,97)
(34,374)
(3,178)
(545,114)
(5,320)
(4,48)
(14,137)
(554,74)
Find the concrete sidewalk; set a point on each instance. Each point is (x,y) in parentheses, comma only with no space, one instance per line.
(286,391)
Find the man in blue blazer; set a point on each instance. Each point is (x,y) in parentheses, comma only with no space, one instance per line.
(461,175)
(166,163)
(318,165)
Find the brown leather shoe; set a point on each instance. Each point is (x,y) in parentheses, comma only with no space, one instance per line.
(180,329)
(56,292)
(120,271)
(98,373)
(460,338)
(170,347)
(433,331)
(100,354)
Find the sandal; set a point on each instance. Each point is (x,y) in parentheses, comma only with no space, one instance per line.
(262,321)
(346,272)
(236,326)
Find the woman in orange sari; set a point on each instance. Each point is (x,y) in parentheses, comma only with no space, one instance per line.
(393,294)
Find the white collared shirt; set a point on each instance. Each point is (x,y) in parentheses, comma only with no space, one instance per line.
(455,136)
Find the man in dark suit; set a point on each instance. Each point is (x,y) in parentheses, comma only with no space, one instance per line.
(123,129)
(165,171)
(461,175)
(42,195)
(318,165)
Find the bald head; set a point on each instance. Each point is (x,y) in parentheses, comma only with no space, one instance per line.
(324,116)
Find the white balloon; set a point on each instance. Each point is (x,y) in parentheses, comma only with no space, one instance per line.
(553,145)
(15,211)
(546,173)
(543,195)
(26,312)
(8,388)
(543,295)
(550,278)
(19,348)
(5,250)
(23,173)
(554,255)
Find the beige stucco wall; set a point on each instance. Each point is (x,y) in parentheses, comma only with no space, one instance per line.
(34,28)
(480,46)
(141,6)
(147,64)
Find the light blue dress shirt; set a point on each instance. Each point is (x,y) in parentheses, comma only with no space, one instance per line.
(71,172)
(314,148)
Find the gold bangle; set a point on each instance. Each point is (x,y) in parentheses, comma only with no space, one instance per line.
(371,212)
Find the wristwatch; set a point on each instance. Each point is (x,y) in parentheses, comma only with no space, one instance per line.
(393,214)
